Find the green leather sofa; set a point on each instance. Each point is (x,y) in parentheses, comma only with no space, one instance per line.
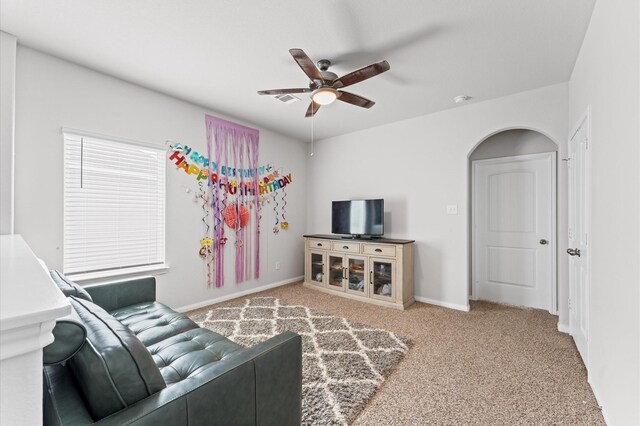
(141,363)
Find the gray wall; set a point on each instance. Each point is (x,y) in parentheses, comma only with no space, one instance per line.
(606,80)
(513,142)
(52,93)
(7,88)
(419,166)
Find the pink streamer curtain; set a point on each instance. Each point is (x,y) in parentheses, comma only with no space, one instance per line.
(233,154)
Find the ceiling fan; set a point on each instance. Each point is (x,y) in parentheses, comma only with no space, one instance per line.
(325,86)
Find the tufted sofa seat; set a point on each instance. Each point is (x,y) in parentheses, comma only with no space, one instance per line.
(178,346)
(199,376)
(152,321)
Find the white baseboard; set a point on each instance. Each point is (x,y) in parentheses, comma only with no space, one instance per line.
(595,394)
(455,306)
(563,328)
(238,294)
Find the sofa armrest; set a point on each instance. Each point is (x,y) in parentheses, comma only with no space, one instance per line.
(261,385)
(118,294)
(278,372)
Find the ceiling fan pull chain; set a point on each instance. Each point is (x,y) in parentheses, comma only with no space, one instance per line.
(312,118)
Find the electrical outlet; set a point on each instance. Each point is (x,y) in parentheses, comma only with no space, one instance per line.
(452,209)
(277,266)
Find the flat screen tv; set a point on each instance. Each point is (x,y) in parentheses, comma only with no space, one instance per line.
(358,218)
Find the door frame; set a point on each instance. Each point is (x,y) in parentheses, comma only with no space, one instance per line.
(584,119)
(553,302)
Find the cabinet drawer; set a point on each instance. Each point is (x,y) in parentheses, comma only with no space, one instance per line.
(319,244)
(345,247)
(379,249)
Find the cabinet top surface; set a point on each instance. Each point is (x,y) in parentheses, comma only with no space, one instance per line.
(361,240)
(28,295)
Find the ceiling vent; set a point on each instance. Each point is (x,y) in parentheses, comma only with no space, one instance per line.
(287,98)
(461,99)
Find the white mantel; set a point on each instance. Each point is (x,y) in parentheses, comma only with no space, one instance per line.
(30,302)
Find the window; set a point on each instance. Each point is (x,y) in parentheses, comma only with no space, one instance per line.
(114,206)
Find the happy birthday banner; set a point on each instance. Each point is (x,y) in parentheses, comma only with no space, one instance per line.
(270,180)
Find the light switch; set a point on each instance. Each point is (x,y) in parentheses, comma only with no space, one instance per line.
(452,209)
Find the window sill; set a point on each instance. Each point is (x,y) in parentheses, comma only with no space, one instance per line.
(140,270)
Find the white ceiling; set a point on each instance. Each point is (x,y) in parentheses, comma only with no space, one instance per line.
(219,53)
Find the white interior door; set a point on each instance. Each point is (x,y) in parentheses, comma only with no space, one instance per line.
(514,230)
(579,239)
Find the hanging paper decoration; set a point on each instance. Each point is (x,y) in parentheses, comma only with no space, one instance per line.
(236,189)
(231,216)
(269,180)
(206,244)
(284,224)
(244,216)
(276,229)
(236,147)
(206,249)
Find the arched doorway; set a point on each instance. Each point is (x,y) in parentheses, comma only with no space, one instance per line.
(513,219)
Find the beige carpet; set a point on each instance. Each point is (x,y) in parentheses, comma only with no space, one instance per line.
(343,362)
(495,365)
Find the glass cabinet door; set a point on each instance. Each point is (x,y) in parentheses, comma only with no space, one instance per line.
(356,275)
(336,272)
(381,276)
(317,268)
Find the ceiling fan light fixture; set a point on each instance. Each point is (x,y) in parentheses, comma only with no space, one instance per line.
(324,95)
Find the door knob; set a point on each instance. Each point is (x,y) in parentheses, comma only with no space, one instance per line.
(574,252)
(544,242)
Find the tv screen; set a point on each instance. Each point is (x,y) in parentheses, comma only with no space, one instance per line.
(358,217)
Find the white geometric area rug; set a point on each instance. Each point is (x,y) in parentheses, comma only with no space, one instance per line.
(343,362)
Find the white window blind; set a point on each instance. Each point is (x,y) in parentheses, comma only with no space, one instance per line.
(114,205)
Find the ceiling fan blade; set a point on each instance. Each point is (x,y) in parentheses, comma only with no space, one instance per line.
(306,64)
(355,99)
(361,74)
(313,108)
(283,91)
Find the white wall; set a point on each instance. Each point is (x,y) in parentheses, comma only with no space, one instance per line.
(513,142)
(606,77)
(51,93)
(7,104)
(419,166)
